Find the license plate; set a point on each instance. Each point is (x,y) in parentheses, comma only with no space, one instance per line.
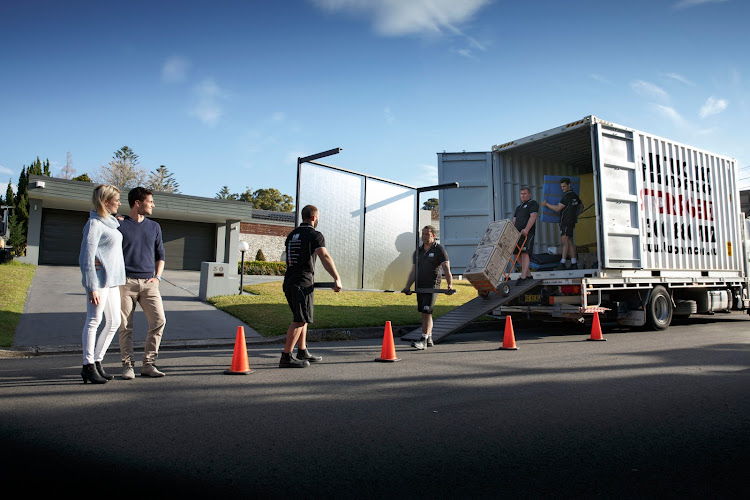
(532,298)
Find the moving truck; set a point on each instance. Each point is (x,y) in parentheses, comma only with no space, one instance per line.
(661,235)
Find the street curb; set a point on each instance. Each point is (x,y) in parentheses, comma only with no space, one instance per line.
(319,335)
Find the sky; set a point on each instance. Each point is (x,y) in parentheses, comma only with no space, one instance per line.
(233,92)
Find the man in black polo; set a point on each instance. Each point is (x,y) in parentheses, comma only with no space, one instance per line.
(303,245)
(570,205)
(525,221)
(431,257)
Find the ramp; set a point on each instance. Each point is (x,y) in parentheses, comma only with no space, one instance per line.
(465,314)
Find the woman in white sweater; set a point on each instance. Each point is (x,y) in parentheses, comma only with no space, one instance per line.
(102,242)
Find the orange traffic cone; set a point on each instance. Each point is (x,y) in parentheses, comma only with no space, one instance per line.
(596,329)
(388,353)
(509,339)
(240,366)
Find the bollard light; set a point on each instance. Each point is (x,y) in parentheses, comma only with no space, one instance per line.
(243,248)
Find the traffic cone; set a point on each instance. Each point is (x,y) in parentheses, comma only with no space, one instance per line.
(596,329)
(240,366)
(509,339)
(388,353)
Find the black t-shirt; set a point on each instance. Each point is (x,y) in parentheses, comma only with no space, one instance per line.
(523,214)
(300,254)
(428,267)
(572,204)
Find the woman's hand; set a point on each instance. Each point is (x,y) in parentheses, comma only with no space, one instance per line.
(94,298)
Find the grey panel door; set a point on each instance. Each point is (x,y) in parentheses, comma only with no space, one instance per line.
(187,244)
(62,232)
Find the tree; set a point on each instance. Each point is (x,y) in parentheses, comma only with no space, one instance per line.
(272,199)
(161,180)
(19,220)
(431,204)
(82,178)
(67,171)
(224,194)
(122,171)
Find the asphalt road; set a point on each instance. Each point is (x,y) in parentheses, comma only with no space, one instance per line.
(641,415)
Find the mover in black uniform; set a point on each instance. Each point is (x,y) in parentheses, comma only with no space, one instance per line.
(570,205)
(303,245)
(431,257)
(525,221)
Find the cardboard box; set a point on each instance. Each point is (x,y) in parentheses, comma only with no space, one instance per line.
(488,265)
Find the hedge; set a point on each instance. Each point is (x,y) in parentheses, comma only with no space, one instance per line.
(264,268)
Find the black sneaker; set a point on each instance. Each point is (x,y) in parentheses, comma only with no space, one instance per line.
(574,266)
(289,361)
(520,281)
(304,354)
(561,267)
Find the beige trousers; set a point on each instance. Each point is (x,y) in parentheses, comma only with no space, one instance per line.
(147,295)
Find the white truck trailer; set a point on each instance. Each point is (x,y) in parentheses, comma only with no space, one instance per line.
(663,235)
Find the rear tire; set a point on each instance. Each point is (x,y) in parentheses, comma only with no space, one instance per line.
(659,309)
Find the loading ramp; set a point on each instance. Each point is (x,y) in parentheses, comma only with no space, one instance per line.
(461,316)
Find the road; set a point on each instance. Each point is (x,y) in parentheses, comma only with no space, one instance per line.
(641,415)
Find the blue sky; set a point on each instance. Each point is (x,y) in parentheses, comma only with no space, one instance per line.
(231,93)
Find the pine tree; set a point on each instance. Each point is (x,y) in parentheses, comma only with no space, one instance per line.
(123,171)
(161,180)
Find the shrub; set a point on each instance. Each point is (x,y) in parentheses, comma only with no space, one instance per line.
(259,256)
(264,268)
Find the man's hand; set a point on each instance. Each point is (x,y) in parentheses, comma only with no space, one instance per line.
(337,285)
(151,280)
(94,298)
(524,231)
(406,290)
(544,203)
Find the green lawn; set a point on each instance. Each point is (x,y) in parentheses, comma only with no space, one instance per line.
(15,279)
(268,313)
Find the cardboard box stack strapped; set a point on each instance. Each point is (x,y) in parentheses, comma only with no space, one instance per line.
(487,266)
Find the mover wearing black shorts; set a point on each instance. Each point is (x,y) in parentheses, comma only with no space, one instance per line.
(300,271)
(569,214)
(428,275)
(522,216)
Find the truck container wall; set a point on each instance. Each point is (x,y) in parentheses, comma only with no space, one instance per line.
(652,205)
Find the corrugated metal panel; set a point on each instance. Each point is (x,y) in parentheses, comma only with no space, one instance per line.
(465,211)
(690,206)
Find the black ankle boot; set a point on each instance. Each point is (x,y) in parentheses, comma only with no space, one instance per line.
(289,361)
(101,371)
(89,374)
(304,354)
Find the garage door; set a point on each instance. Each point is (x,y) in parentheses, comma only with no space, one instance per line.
(186,244)
(62,232)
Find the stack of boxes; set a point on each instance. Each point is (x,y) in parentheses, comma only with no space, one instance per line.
(488,266)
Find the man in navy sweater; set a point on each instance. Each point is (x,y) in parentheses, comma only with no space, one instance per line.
(143,249)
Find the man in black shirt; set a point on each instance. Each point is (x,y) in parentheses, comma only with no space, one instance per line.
(432,257)
(570,205)
(525,221)
(303,245)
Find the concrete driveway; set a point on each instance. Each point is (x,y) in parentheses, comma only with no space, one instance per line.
(55,311)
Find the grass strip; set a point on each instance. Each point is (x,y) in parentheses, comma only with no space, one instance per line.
(15,280)
(268,313)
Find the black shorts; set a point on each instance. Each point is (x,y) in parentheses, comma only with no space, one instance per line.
(528,247)
(426,302)
(300,300)
(566,229)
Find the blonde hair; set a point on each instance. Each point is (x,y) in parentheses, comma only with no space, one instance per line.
(102,194)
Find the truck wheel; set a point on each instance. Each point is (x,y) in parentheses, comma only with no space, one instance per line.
(684,308)
(659,309)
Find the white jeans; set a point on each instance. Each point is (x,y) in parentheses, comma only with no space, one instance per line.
(109,306)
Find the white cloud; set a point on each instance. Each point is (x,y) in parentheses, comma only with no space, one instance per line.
(648,89)
(679,78)
(686,4)
(713,106)
(175,69)
(208,97)
(5,170)
(671,114)
(399,17)
(600,78)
